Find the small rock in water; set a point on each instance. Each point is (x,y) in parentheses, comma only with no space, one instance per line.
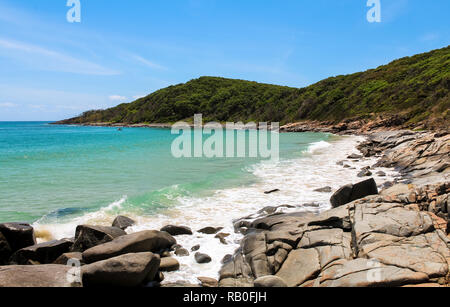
(221,236)
(210,230)
(354,156)
(272,191)
(195,248)
(202,258)
(347,166)
(169,264)
(123,222)
(381,174)
(181,252)
(177,230)
(324,190)
(365,173)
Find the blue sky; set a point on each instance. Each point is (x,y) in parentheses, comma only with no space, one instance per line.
(51,69)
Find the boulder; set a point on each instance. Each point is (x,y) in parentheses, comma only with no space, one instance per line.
(123,222)
(49,275)
(202,258)
(18,235)
(144,241)
(350,192)
(208,282)
(44,253)
(169,265)
(129,270)
(177,230)
(87,236)
(210,230)
(64,258)
(270,281)
(5,250)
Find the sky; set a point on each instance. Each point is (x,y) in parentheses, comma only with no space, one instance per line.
(52,69)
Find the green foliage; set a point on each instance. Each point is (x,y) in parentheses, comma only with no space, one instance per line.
(416,87)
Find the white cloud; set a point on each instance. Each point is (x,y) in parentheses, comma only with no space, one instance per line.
(147,62)
(47,59)
(117,98)
(7,105)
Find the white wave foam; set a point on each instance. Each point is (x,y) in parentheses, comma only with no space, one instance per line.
(296,179)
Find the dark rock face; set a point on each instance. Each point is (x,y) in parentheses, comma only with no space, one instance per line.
(202,258)
(49,275)
(129,270)
(18,235)
(392,239)
(5,250)
(87,236)
(123,222)
(177,230)
(44,253)
(349,193)
(210,230)
(144,241)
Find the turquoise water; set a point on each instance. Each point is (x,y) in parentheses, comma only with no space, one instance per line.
(53,173)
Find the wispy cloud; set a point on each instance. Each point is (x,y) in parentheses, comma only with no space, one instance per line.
(7,105)
(147,63)
(46,59)
(117,98)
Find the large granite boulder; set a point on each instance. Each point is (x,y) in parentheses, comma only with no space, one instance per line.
(5,250)
(44,253)
(352,192)
(123,222)
(144,241)
(18,235)
(129,270)
(87,236)
(49,275)
(177,230)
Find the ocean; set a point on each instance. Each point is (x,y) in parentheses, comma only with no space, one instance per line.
(57,177)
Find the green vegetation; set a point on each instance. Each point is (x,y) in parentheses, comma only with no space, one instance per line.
(415,87)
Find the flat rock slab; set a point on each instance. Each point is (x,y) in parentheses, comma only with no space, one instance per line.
(144,241)
(50,275)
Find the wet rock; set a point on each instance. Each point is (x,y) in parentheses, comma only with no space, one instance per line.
(349,193)
(208,282)
(324,190)
(182,252)
(123,222)
(18,235)
(270,281)
(354,157)
(44,253)
(144,241)
(129,270)
(365,173)
(221,236)
(87,236)
(210,230)
(202,258)
(381,174)
(169,264)
(5,250)
(49,275)
(195,248)
(177,230)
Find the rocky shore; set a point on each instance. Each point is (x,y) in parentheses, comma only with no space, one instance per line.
(391,235)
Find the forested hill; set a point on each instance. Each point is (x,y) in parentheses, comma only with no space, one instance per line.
(415,87)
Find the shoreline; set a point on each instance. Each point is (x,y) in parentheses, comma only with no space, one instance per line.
(251,229)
